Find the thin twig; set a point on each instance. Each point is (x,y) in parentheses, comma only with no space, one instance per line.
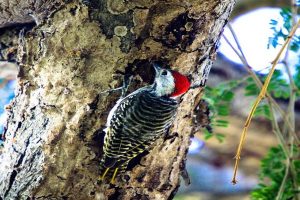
(257,80)
(291,108)
(258,99)
(237,42)
(275,126)
(294,11)
(260,85)
(271,101)
(282,186)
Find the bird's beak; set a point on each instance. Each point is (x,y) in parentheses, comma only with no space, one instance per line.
(156,68)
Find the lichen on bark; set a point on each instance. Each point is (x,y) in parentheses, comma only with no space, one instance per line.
(53,144)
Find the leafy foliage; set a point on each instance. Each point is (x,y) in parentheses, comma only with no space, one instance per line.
(278,87)
(263,110)
(219,99)
(281,30)
(281,33)
(251,88)
(273,168)
(274,165)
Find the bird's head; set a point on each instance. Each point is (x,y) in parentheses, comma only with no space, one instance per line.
(169,83)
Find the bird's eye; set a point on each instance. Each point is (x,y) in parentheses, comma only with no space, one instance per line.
(164,72)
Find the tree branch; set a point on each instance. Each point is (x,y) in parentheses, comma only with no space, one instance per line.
(68,60)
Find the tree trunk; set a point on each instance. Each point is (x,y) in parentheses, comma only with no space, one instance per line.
(54,129)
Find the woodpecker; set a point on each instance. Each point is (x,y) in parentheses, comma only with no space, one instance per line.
(139,119)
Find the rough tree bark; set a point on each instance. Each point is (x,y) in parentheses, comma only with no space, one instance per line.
(53,133)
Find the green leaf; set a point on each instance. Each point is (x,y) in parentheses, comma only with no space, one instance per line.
(297,164)
(273,22)
(207,135)
(223,110)
(294,46)
(220,137)
(251,89)
(277,93)
(220,123)
(273,168)
(227,96)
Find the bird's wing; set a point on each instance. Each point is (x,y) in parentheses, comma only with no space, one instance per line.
(116,144)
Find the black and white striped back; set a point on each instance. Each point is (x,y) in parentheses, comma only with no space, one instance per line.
(136,122)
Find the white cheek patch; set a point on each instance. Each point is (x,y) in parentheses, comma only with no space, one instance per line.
(165,85)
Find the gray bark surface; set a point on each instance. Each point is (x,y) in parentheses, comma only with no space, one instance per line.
(13,12)
(53,134)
